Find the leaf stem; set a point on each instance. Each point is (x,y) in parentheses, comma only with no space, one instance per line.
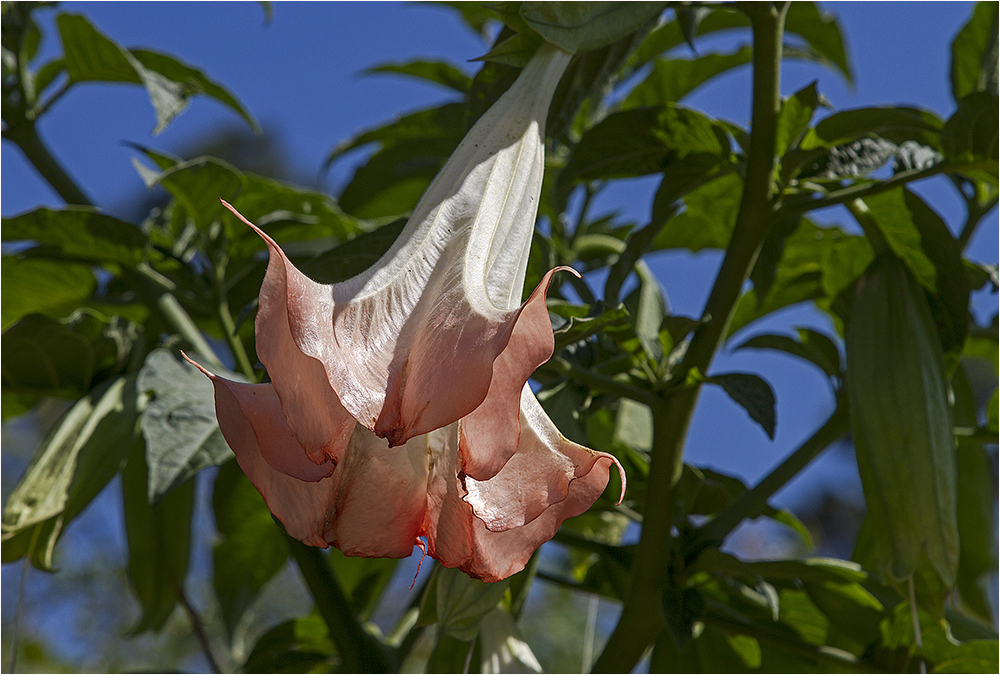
(25,136)
(753,499)
(642,619)
(862,190)
(359,651)
(199,630)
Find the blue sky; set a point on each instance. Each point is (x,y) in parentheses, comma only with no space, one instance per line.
(300,75)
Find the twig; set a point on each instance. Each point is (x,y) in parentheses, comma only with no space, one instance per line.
(199,630)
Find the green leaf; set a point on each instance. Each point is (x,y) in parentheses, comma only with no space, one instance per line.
(974,53)
(48,287)
(300,645)
(671,80)
(796,113)
(445,122)
(896,124)
(355,256)
(503,647)
(178,423)
(90,56)
(681,608)
(753,393)
(64,358)
(813,346)
(708,219)
(439,72)
(923,241)
(78,232)
(970,135)
(461,602)
(159,542)
(252,548)
(644,141)
(198,185)
(585,26)
(821,32)
(74,463)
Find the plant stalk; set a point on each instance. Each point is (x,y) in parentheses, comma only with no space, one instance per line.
(26,137)
(642,618)
(359,651)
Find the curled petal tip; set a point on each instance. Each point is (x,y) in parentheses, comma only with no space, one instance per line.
(566,268)
(621,475)
(197,365)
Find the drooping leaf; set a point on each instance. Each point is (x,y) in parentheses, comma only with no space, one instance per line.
(90,56)
(896,124)
(923,241)
(252,548)
(64,358)
(970,136)
(974,53)
(198,185)
(813,346)
(793,119)
(178,423)
(753,393)
(74,463)
(461,602)
(159,541)
(438,72)
(643,141)
(708,219)
(300,645)
(78,232)
(671,80)
(585,26)
(48,287)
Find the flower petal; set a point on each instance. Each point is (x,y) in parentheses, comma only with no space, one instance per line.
(567,483)
(370,504)
(441,305)
(312,408)
(489,434)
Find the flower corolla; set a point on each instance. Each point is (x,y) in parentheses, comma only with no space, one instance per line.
(398,411)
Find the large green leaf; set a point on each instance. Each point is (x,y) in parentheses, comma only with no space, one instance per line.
(644,141)
(457,602)
(811,345)
(74,463)
(300,645)
(438,72)
(971,137)
(252,548)
(974,53)
(897,124)
(198,185)
(90,56)
(585,26)
(48,287)
(819,31)
(671,80)
(78,232)
(178,423)
(45,356)
(708,219)
(159,541)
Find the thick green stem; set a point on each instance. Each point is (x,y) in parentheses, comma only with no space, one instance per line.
(750,503)
(359,651)
(26,137)
(642,619)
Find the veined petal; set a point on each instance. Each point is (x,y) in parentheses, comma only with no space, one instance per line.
(370,504)
(409,345)
(547,481)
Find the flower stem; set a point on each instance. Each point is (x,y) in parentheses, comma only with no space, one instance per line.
(359,651)
(642,619)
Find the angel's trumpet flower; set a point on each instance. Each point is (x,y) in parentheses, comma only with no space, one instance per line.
(430,350)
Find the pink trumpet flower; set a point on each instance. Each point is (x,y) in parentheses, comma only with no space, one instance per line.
(398,412)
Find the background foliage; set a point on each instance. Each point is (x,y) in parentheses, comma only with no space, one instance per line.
(95,309)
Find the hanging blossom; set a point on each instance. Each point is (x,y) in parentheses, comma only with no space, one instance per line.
(398,412)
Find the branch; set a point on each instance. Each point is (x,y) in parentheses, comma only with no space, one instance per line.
(642,619)
(601,382)
(359,651)
(863,190)
(751,501)
(26,137)
(199,630)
